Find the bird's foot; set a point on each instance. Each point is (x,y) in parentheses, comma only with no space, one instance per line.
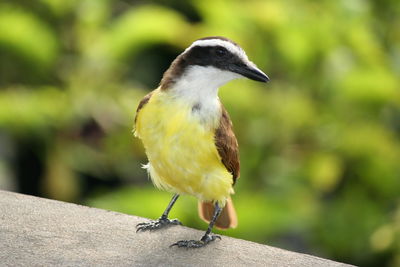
(156,224)
(196,243)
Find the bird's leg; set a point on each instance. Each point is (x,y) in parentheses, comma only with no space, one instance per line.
(207,237)
(162,221)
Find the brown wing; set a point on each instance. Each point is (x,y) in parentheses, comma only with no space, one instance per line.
(227,145)
(142,103)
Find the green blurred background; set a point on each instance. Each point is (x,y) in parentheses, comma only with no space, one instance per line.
(320,146)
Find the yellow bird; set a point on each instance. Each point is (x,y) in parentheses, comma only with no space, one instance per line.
(188,136)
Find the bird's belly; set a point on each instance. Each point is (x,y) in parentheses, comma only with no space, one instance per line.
(182,154)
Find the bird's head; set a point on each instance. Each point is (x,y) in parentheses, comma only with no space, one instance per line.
(211,62)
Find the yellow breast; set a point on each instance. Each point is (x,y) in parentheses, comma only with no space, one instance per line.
(181,150)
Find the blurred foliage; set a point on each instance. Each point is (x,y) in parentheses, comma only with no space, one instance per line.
(320,144)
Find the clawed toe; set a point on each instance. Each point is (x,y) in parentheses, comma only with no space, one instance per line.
(196,243)
(156,224)
(189,244)
(209,238)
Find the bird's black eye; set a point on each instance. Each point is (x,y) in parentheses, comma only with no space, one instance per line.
(221,51)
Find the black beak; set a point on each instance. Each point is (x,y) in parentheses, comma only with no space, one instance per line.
(250,71)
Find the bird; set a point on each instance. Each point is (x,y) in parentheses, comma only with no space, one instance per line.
(188,135)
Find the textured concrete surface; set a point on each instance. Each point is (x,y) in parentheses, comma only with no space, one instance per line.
(42,232)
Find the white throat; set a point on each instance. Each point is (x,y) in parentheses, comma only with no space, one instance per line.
(198,87)
(200,84)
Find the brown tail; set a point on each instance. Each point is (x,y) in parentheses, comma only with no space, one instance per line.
(227,218)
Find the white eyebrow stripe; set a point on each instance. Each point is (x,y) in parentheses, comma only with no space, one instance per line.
(218,42)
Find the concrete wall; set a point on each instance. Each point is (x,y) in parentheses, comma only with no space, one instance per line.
(43,232)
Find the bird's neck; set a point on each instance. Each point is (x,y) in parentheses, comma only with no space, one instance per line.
(198,88)
(200,84)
